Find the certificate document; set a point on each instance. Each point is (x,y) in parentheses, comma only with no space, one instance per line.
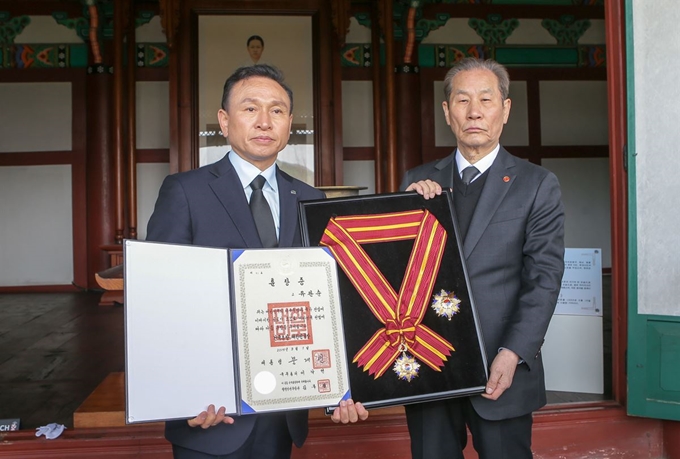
(287,312)
(265,324)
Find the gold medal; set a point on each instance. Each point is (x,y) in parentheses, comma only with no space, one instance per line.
(446,304)
(406,366)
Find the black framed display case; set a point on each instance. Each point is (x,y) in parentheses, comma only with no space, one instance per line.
(405,296)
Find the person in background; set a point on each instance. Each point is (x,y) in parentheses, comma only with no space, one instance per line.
(255,47)
(511,222)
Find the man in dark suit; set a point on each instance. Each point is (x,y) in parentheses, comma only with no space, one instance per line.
(211,206)
(511,222)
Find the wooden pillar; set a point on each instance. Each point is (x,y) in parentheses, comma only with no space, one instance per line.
(100,186)
(377,100)
(118,123)
(408,106)
(170,13)
(131,150)
(330,172)
(392,171)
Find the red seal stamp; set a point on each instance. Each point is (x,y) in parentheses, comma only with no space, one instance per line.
(290,324)
(321,358)
(324,385)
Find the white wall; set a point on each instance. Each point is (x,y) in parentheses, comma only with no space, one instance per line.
(153,105)
(36,233)
(656,112)
(357,114)
(36,229)
(32,117)
(357,33)
(585,194)
(153,132)
(456,30)
(149,179)
(44,29)
(574,112)
(151,32)
(360,173)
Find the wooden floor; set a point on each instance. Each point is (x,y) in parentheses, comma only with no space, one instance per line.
(54,350)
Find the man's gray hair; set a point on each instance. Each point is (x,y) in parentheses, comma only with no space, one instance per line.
(473,63)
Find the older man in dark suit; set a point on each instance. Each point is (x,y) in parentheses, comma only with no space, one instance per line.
(243,200)
(511,221)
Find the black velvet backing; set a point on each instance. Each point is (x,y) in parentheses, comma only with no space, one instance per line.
(464,372)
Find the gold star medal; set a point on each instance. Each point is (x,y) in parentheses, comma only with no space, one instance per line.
(446,304)
(406,366)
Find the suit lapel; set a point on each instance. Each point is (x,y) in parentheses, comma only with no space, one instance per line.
(227,187)
(287,209)
(493,193)
(443,173)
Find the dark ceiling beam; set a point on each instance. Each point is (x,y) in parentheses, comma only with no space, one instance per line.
(515,11)
(41,7)
(74,8)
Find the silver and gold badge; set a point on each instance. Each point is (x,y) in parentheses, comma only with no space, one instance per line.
(446,304)
(406,367)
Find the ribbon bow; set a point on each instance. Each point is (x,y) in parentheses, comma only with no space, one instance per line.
(402,313)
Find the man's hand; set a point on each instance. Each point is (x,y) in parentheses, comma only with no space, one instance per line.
(502,371)
(427,188)
(348,411)
(210,418)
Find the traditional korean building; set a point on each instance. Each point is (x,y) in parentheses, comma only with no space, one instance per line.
(101,99)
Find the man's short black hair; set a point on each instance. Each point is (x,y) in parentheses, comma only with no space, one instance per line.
(250,71)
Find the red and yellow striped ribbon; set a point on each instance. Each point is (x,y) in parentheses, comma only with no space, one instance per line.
(402,313)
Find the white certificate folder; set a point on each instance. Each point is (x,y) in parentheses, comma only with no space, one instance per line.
(253,330)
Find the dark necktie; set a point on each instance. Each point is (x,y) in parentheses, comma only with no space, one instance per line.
(262,214)
(469,173)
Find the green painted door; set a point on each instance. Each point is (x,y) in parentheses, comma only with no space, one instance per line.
(653,364)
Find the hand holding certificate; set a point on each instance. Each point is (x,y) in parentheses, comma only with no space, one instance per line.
(349,412)
(210,418)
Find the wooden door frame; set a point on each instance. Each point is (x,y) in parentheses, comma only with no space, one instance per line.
(616,103)
(326,80)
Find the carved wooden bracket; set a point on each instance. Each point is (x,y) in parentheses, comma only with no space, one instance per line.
(169,12)
(11,27)
(340,11)
(567,30)
(380,4)
(128,10)
(94,31)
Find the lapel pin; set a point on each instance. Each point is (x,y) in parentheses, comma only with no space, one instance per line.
(506,179)
(293,192)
